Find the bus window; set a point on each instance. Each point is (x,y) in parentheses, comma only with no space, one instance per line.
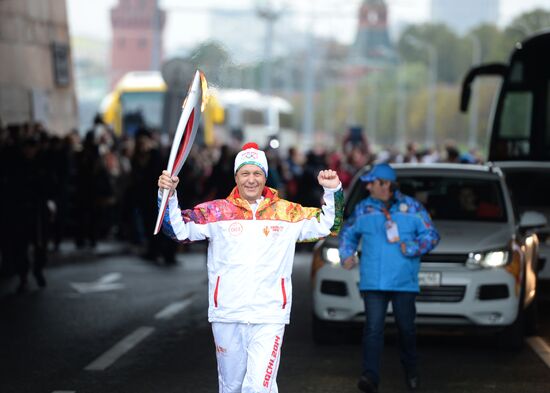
(285,120)
(516,73)
(516,122)
(253,117)
(143,109)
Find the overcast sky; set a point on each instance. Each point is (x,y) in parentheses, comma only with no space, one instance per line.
(187,22)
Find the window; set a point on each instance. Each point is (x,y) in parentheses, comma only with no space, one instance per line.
(61,67)
(253,117)
(516,115)
(515,126)
(141,110)
(285,120)
(448,198)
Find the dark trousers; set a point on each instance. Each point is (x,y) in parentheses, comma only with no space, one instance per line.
(404,310)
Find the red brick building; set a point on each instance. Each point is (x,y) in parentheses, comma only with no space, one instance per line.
(137,37)
(372,48)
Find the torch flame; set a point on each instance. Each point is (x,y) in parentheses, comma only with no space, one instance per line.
(205,95)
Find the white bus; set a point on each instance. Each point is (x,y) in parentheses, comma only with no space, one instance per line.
(252,116)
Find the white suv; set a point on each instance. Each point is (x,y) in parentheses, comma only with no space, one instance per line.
(482,273)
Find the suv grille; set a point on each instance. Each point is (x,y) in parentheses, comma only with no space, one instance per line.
(442,294)
(445,258)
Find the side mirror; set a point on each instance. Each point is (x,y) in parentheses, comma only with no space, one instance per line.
(532,219)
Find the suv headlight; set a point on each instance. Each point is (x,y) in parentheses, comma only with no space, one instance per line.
(331,255)
(489,259)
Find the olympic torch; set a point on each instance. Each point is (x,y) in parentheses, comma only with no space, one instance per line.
(192,107)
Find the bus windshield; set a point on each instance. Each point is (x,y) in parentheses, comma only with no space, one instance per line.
(141,109)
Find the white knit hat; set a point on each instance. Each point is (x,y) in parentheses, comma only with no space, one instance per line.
(251,154)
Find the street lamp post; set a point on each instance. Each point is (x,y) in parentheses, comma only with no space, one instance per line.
(270,14)
(432,59)
(430,131)
(474,113)
(401,109)
(309,89)
(308,124)
(372,109)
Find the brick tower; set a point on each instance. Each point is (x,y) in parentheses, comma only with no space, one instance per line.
(137,37)
(372,47)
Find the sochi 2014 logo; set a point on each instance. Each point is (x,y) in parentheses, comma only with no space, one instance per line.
(276,229)
(235,229)
(250,155)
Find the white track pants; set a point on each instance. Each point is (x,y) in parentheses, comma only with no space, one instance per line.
(248,356)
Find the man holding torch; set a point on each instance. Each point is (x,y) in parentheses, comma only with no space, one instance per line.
(252,235)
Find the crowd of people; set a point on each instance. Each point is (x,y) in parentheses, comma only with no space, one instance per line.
(99,186)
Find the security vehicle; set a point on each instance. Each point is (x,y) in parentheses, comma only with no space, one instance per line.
(481,274)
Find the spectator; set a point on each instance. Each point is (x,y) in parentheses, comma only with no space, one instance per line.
(146,164)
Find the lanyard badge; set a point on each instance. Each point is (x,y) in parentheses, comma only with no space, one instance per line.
(392,233)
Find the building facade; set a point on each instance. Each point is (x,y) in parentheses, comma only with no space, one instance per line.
(137,37)
(372,48)
(36,81)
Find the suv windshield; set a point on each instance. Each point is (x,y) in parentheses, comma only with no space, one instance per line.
(447,198)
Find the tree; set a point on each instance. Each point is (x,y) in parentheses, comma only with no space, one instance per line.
(524,25)
(448,46)
(493,48)
(530,22)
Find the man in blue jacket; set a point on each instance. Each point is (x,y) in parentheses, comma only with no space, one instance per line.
(394,230)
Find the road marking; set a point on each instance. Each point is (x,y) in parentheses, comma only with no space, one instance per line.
(109,278)
(105,283)
(541,348)
(64,391)
(119,349)
(173,308)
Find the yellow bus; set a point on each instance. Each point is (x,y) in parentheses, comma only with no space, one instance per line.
(136,101)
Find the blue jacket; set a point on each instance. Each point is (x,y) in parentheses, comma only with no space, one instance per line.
(383,266)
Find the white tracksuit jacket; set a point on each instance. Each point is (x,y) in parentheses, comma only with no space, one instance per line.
(250,255)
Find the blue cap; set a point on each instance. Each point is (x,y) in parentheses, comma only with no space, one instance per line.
(379,171)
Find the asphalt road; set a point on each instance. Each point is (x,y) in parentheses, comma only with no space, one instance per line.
(121,324)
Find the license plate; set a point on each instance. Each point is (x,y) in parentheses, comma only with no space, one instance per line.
(429,279)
